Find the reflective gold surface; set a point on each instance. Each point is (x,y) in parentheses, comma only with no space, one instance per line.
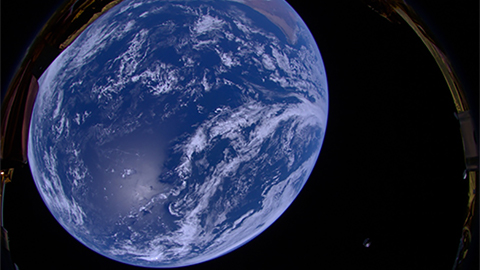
(62,28)
(392,10)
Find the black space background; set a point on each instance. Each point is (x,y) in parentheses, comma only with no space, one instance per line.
(390,168)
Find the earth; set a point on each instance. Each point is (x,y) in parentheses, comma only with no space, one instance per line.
(172,132)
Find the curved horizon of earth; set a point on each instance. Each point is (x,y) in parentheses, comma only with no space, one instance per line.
(172,132)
